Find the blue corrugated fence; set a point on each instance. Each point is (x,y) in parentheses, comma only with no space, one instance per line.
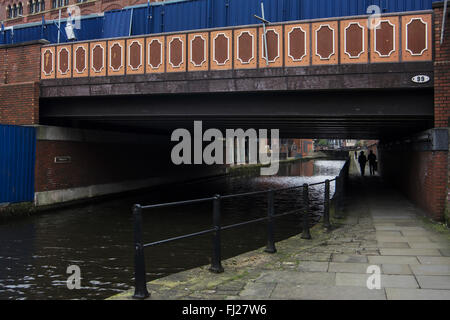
(17,158)
(172,16)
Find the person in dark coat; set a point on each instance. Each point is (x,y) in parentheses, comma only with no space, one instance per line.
(362,162)
(372,162)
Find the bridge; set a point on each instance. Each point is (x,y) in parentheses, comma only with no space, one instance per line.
(346,77)
(165,81)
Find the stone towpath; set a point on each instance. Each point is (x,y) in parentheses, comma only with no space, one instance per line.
(380,228)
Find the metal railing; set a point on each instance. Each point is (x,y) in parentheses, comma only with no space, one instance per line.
(141,291)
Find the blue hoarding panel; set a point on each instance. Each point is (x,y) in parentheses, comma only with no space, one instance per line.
(17,158)
(174,15)
(117,23)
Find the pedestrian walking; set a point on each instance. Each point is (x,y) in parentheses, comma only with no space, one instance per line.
(372,162)
(362,162)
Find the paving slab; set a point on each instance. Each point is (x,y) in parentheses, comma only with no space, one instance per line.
(445,252)
(431,269)
(349,258)
(315,292)
(384,224)
(395,269)
(311,256)
(409,252)
(396,228)
(393,260)
(389,233)
(387,281)
(312,266)
(434,282)
(428,245)
(417,294)
(434,260)
(402,238)
(258,289)
(413,233)
(393,245)
(295,277)
(348,267)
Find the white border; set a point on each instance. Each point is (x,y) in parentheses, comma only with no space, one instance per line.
(377,27)
(214,49)
(204,50)
(289,44)
(43,62)
(160,56)
(237,47)
(110,56)
(278,45)
(182,52)
(68,60)
(75,58)
(426,36)
(334,42)
(129,54)
(363,40)
(92,58)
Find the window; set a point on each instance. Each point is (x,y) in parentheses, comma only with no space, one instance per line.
(20,9)
(30,7)
(9,12)
(60,3)
(42,5)
(53,4)
(37,6)
(14,11)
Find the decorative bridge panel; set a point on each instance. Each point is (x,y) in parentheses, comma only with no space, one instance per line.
(355,40)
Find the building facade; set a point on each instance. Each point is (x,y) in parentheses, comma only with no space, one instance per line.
(295,148)
(13,12)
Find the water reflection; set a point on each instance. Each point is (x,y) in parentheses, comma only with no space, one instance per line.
(36,251)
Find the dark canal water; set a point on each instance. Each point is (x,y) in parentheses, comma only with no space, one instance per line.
(36,251)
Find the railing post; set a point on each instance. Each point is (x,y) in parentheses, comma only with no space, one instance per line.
(338,196)
(140,287)
(306,234)
(326,206)
(216,264)
(270,248)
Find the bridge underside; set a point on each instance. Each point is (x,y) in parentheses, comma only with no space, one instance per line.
(364,114)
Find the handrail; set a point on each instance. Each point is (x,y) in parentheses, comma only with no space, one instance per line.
(171,204)
(141,291)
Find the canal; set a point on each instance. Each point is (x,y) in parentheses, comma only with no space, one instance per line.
(36,251)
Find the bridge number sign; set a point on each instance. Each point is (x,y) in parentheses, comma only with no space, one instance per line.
(420,79)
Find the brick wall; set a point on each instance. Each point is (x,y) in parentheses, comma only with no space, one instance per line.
(19,103)
(19,83)
(99,163)
(91,164)
(418,174)
(442,76)
(441,69)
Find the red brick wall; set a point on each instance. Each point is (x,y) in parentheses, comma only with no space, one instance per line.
(441,69)
(419,176)
(103,163)
(21,63)
(19,84)
(442,77)
(19,103)
(91,164)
